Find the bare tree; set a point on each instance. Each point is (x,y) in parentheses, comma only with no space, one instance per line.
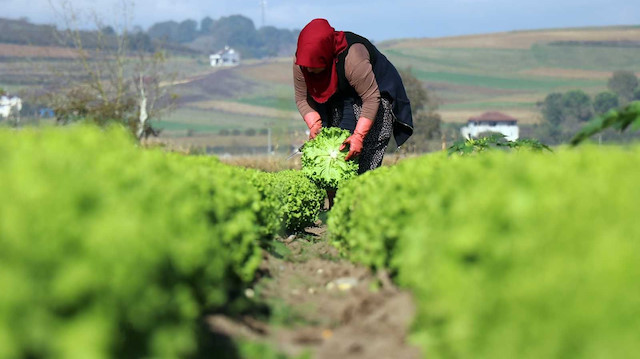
(114,79)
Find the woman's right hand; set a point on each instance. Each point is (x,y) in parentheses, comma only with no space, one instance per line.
(314,122)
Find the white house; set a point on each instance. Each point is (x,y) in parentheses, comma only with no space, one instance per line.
(10,106)
(226,57)
(491,121)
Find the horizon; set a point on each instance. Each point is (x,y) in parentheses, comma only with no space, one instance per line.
(586,27)
(376,20)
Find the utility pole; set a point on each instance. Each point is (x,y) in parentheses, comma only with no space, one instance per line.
(269,142)
(263,6)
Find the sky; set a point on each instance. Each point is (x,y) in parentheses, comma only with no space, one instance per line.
(377,20)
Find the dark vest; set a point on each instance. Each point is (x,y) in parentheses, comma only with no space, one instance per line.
(389,84)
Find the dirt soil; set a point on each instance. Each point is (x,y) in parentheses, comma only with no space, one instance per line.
(324,305)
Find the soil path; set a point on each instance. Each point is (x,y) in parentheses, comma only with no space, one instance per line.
(324,305)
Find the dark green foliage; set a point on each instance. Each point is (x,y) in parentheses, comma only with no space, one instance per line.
(623,83)
(25,33)
(552,109)
(187,31)
(577,106)
(604,102)
(166,31)
(206,24)
(416,91)
(276,42)
(617,119)
(426,120)
(496,140)
(238,32)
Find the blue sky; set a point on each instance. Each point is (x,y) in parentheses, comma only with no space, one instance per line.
(376,19)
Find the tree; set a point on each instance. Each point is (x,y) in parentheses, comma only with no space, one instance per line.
(551,109)
(624,83)
(108,30)
(415,89)
(577,106)
(236,31)
(111,83)
(167,31)
(604,102)
(276,42)
(636,94)
(426,121)
(206,24)
(187,31)
(552,118)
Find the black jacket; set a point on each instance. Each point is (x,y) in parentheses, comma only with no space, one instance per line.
(389,84)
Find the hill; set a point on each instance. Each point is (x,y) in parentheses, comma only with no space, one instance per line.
(508,71)
(512,71)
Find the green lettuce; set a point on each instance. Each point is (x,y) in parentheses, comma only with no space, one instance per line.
(324,163)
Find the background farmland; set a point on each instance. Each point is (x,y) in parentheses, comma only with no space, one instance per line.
(241,109)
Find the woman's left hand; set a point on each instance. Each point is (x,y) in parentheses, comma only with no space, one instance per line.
(355,145)
(356,140)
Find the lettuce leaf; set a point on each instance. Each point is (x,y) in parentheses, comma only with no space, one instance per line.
(323,162)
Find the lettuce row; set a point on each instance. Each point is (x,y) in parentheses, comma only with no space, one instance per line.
(509,255)
(107,250)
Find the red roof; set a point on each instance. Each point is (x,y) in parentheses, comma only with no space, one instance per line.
(493,116)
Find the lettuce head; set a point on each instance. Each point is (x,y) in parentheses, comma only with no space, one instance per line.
(324,163)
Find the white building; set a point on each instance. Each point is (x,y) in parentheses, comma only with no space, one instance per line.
(10,106)
(491,122)
(226,57)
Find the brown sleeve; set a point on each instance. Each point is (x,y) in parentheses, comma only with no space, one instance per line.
(360,75)
(300,88)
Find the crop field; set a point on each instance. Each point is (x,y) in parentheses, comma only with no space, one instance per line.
(472,72)
(467,75)
(224,238)
(148,252)
(509,72)
(28,51)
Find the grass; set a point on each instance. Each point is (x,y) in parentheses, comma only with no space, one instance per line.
(463,59)
(186,118)
(279,102)
(517,82)
(488,105)
(587,57)
(478,73)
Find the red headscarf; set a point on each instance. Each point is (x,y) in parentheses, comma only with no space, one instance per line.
(318,46)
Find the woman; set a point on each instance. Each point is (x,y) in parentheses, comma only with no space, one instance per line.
(342,80)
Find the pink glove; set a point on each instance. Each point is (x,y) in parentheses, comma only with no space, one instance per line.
(314,122)
(355,141)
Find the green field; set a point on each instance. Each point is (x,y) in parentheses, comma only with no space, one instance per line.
(468,75)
